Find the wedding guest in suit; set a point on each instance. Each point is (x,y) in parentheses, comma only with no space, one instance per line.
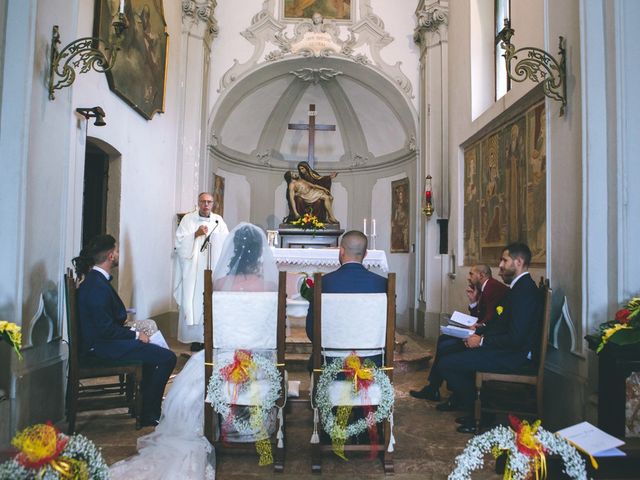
(102,334)
(352,276)
(484,293)
(505,344)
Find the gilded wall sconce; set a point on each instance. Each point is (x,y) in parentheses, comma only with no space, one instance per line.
(537,66)
(83,54)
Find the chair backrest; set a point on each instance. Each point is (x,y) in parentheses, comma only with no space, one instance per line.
(71,294)
(545,291)
(245,320)
(353,321)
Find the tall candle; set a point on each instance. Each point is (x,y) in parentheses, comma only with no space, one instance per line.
(373,226)
(121,6)
(364,230)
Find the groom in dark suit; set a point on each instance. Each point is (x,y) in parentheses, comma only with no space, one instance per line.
(352,276)
(102,334)
(484,293)
(506,344)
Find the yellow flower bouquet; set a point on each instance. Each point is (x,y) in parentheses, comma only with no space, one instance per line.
(308,221)
(624,329)
(10,333)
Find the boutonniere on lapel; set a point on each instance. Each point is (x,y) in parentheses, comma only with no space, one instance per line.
(499,309)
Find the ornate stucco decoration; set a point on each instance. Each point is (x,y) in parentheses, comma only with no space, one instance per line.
(265,157)
(315,75)
(358,161)
(318,38)
(411,143)
(565,319)
(201,11)
(432,23)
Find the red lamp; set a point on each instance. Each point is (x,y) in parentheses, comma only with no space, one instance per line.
(428,197)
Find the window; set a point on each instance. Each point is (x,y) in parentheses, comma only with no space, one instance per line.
(502,11)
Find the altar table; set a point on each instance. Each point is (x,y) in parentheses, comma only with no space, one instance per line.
(323,260)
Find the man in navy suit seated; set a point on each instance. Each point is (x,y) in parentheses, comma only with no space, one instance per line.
(484,293)
(505,344)
(102,334)
(352,276)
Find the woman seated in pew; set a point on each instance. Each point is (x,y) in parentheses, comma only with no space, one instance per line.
(177,448)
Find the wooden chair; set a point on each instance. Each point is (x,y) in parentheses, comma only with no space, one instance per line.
(495,391)
(98,396)
(328,342)
(215,306)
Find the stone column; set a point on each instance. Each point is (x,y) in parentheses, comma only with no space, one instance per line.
(431,35)
(199,28)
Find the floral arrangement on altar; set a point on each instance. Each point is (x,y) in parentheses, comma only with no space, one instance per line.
(526,447)
(625,329)
(240,372)
(308,221)
(306,288)
(10,333)
(46,454)
(363,375)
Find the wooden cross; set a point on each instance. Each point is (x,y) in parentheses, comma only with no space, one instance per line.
(312,127)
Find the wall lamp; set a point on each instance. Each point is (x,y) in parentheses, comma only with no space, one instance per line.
(538,66)
(95,112)
(83,54)
(427,210)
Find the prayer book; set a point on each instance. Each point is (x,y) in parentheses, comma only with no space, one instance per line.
(458,332)
(460,319)
(592,440)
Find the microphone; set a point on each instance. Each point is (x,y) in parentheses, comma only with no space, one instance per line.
(206,240)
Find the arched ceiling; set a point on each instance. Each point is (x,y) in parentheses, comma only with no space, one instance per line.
(375,126)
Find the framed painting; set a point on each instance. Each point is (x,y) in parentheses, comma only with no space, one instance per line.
(139,73)
(218,195)
(400,216)
(329,9)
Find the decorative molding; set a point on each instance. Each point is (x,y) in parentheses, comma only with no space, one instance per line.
(433,20)
(358,161)
(565,317)
(201,11)
(411,143)
(265,157)
(319,39)
(41,315)
(316,75)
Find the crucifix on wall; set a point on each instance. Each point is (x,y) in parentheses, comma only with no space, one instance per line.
(312,127)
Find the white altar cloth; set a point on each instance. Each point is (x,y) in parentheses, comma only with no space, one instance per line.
(323,260)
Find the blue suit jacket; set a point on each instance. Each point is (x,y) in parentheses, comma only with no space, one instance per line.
(349,278)
(517,328)
(102,314)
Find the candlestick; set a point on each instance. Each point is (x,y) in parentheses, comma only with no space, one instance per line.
(373,226)
(121,10)
(364,230)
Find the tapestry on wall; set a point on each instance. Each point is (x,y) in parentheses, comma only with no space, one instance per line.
(505,189)
(400,216)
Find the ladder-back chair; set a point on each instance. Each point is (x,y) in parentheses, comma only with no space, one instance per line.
(253,321)
(96,396)
(495,392)
(344,323)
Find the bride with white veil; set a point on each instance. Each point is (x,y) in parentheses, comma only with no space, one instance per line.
(177,447)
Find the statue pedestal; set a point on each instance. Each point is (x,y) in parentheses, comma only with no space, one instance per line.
(292,237)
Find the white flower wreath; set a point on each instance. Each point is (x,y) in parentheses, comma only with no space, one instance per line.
(383,411)
(503,438)
(79,448)
(215,394)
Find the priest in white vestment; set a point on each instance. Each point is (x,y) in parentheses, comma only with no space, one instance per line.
(195,229)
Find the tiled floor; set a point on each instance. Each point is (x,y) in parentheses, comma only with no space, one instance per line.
(426,440)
